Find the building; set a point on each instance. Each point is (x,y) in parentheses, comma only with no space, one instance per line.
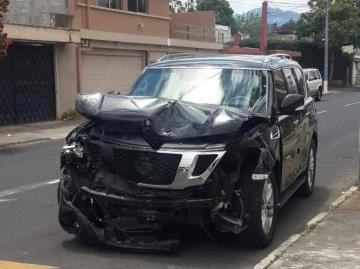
(284,34)
(356,68)
(223,34)
(38,71)
(66,47)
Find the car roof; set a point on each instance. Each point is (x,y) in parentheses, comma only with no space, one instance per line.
(267,62)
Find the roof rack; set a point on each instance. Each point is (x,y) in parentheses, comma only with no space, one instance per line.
(183,55)
(278,55)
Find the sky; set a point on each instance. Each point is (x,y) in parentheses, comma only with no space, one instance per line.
(241,6)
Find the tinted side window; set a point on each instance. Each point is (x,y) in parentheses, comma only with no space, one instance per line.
(300,79)
(291,81)
(279,86)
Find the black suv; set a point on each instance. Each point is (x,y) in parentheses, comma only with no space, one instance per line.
(220,142)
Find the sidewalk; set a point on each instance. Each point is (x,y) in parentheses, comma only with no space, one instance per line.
(35,132)
(334,243)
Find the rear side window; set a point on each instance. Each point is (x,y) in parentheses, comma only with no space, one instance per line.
(291,81)
(280,87)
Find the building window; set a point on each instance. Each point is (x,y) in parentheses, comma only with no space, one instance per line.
(138,6)
(114,4)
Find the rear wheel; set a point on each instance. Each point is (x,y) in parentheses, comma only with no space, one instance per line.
(318,96)
(260,202)
(307,187)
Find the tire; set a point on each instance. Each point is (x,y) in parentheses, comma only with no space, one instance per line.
(307,187)
(318,96)
(261,222)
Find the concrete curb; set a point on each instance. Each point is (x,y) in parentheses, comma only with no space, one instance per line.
(275,254)
(311,225)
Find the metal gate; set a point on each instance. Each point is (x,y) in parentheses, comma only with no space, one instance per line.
(27,84)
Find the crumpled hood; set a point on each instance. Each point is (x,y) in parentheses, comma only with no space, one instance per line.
(161,120)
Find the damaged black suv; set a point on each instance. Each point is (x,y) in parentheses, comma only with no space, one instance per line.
(220,142)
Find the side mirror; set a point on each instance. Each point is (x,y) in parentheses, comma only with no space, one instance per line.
(290,104)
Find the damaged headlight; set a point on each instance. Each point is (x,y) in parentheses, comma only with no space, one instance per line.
(75,148)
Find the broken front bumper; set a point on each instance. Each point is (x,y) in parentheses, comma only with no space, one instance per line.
(146,216)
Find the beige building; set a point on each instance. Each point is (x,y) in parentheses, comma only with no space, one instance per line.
(223,34)
(100,45)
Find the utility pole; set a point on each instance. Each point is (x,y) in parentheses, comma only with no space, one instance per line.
(326,56)
(263,34)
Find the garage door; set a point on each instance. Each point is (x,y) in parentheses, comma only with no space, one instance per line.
(27,84)
(105,72)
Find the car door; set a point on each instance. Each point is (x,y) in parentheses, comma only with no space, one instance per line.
(288,132)
(297,121)
(305,122)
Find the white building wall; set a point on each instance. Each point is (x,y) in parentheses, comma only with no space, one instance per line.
(223,34)
(356,69)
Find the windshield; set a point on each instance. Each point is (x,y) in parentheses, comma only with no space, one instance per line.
(243,89)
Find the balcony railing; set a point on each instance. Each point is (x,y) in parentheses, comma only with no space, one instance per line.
(191,32)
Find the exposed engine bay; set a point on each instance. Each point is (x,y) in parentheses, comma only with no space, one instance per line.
(142,166)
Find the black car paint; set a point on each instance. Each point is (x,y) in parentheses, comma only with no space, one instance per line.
(149,123)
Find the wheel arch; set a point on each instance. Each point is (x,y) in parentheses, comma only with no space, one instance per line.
(253,155)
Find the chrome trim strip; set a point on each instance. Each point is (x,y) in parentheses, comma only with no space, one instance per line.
(184,178)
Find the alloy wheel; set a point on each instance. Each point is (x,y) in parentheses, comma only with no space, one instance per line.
(311,168)
(267,206)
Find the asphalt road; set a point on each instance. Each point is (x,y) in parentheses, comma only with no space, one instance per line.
(29,231)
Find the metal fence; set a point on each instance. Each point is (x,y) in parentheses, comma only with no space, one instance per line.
(43,13)
(41,19)
(191,32)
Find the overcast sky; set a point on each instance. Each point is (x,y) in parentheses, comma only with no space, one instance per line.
(241,6)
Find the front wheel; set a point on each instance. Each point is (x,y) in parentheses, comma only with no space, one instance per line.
(260,201)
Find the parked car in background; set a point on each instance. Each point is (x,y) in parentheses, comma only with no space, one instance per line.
(218,142)
(315,82)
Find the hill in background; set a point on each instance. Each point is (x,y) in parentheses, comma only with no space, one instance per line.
(277,15)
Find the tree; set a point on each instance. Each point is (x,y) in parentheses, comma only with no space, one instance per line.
(223,11)
(344,22)
(3,42)
(182,5)
(250,25)
(289,26)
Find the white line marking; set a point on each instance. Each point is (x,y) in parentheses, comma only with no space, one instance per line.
(352,104)
(6,200)
(323,111)
(25,188)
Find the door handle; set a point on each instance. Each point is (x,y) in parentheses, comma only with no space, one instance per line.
(296,122)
